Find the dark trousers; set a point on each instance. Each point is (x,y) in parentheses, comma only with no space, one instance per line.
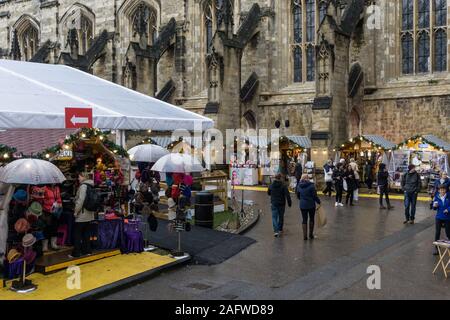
(308,213)
(384,191)
(439,224)
(329,188)
(350,192)
(278,217)
(369,183)
(51,225)
(410,205)
(82,241)
(339,192)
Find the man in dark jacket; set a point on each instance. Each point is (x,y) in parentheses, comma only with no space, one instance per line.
(307,194)
(279,194)
(411,187)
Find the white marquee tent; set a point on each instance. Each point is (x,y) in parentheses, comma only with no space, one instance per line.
(35,95)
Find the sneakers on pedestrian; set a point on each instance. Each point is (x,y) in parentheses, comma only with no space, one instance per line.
(276,234)
(405,222)
(336,204)
(341,204)
(382,207)
(411,221)
(390,207)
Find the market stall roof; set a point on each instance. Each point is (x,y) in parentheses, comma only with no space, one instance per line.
(35,96)
(380,141)
(438,142)
(302,141)
(164,141)
(32,141)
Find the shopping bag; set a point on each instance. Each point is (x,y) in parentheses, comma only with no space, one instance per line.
(321,217)
(345,185)
(356,195)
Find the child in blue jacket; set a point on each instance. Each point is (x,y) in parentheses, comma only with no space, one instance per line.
(442,205)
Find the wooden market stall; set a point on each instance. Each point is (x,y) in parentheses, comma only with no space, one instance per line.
(427,152)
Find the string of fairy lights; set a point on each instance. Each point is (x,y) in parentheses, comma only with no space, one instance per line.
(85,133)
(7,152)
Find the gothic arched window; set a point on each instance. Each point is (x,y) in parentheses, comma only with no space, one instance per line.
(29,42)
(25,38)
(322,10)
(85,34)
(298,64)
(305,15)
(407,54)
(214,11)
(144,24)
(423,57)
(424,36)
(440,51)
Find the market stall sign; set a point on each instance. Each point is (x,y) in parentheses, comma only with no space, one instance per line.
(78,118)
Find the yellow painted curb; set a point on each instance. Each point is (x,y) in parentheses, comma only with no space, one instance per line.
(374,196)
(62,285)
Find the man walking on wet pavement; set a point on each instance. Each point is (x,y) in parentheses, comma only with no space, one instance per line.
(279,194)
(411,187)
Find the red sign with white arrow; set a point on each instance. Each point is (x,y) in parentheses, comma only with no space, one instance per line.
(78,118)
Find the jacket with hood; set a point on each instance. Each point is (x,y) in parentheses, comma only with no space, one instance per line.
(411,182)
(307,194)
(439,182)
(279,193)
(443,208)
(81,214)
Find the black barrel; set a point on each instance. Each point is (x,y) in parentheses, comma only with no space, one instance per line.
(204,210)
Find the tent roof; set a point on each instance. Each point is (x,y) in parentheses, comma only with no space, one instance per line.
(164,141)
(379,140)
(262,141)
(438,142)
(35,95)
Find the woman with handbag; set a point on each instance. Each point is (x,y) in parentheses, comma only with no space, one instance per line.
(338,178)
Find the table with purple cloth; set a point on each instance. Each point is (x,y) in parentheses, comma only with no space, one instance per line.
(111,234)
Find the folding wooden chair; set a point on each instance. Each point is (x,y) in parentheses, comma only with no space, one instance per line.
(444,256)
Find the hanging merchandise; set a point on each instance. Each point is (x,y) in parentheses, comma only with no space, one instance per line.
(428,153)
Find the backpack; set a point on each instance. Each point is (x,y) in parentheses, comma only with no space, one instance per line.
(93,200)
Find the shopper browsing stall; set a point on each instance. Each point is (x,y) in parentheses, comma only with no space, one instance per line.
(442,206)
(83,216)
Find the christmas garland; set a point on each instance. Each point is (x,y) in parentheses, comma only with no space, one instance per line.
(85,133)
(415,139)
(6,152)
(147,141)
(361,138)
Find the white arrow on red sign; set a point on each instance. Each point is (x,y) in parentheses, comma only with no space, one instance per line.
(79,120)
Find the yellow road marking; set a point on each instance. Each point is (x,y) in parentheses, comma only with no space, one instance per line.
(374,196)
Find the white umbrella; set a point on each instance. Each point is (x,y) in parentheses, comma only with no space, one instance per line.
(178,163)
(31,171)
(147,153)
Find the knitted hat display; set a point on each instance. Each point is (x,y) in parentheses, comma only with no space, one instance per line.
(13,255)
(35,208)
(20,195)
(22,226)
(28,240)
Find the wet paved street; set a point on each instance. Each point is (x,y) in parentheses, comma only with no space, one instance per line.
(333,266)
